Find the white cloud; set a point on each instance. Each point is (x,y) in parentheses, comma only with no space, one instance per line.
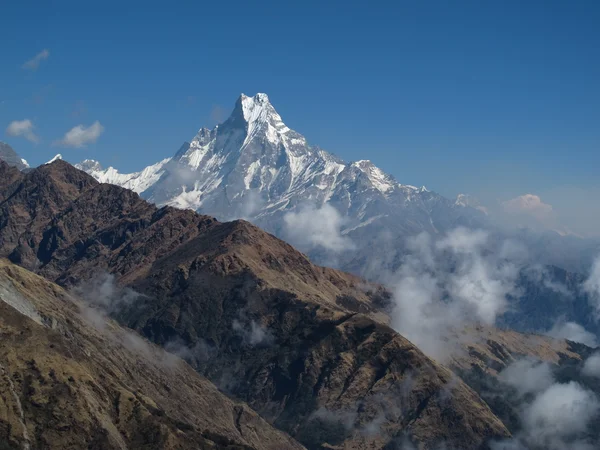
(443,285)
(559,414)
(313,227)
(573,332)
(254,334)
(81,135)
(22,128)
(527,376)
(591,367)
(35,62)
(529,204)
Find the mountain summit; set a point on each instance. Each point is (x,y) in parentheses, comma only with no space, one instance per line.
(253,166)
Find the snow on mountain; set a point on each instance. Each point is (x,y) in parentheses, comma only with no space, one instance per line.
(255,167)
(467,200)
(56,158)
(136,181)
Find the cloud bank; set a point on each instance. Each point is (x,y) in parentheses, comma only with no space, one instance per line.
(311,227)
(444,284)
(554,416)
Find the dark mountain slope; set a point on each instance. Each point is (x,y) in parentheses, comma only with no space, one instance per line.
(70,379)
(304,345)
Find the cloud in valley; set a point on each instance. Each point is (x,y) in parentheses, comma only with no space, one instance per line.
(311,227)
(22,128)
(102,296)
(445,283)
(35,62)
(573,332)
(556,416)
(591,367)
(559,414)
(253,333)
(528,376)
(81,135)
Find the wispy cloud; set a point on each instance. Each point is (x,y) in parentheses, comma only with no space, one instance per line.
(81,135)
(23,128)
(591,368)
(555,415)
(312,227)
(35,62)
(445,283)
(573,332)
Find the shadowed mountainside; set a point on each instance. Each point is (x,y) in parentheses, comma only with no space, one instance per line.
(305,346)
(72,379)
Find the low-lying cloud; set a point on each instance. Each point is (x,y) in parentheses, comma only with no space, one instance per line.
(573,332)
(444,284)
(555,416)
(591,367)
(311,227)
(528,376)
(102,296)
(252,333)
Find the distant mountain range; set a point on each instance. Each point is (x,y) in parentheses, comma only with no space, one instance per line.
(350,215)
(253,166)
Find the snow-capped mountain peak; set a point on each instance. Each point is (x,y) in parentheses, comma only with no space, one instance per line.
(89,165)
(261,118)
(136,181)
(257,108)
(466,200)
(56,158)
(380,180)
(254,166)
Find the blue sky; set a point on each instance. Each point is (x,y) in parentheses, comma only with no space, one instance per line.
(495,98)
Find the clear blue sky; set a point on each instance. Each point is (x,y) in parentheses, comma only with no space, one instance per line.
(462,96)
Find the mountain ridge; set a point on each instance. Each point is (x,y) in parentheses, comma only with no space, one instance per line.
(299,342)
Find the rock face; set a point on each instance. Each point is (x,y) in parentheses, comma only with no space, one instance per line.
(11,157)
(307,347)
(71,379)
